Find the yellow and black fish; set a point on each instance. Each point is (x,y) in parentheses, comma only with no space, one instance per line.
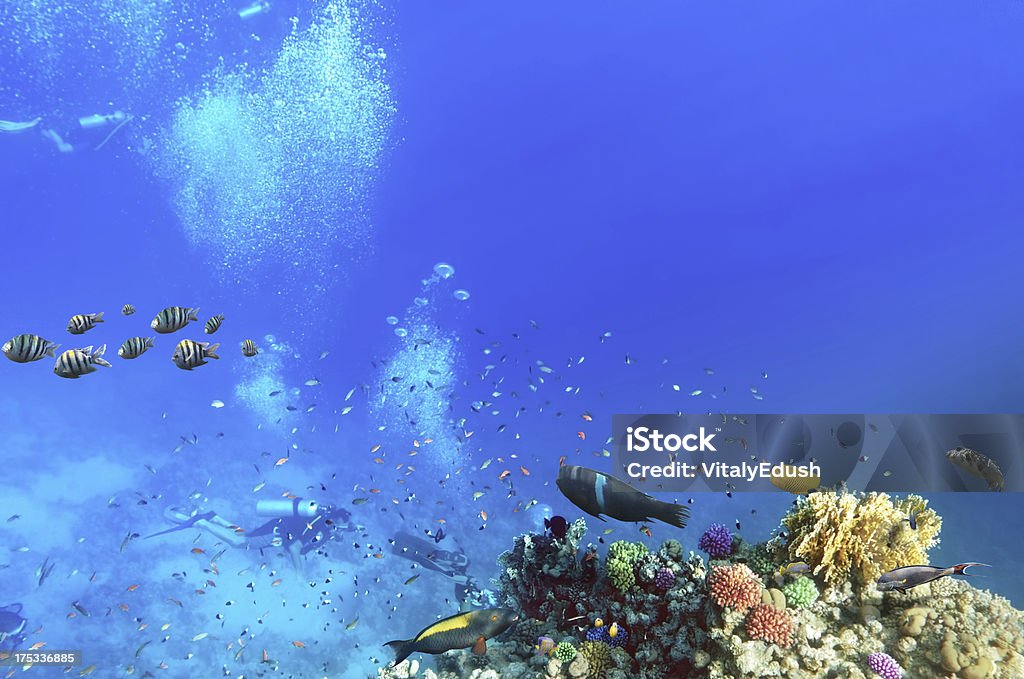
(464,630)
(190,354)
(249,348)
(127,310)
(597,493)
(792,482)
(79,323)
(134,347)
(27,348)
(213,324)
(74,363)
(173,318)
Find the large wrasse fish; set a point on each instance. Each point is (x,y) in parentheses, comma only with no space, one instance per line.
(973,462)
(463,630)
(597,493)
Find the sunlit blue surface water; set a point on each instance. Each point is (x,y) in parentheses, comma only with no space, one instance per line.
(825,194)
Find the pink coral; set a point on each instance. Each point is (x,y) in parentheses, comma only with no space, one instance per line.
(734,586)
(770,624)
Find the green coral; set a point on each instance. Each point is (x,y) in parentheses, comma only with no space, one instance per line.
(760,561)
(599,658)
(857,536)
(565,651)
(672,549)
(621,561)
(801,593)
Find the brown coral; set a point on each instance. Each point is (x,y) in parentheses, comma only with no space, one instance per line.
(859,536)
(734,586)
(767,623)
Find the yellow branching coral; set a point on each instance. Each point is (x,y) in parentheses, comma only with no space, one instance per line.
(860,536)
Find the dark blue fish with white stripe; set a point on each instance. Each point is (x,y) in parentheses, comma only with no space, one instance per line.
(597,493)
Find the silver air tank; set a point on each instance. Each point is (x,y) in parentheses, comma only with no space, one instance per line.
(253,9)
(99,120)
(282,508)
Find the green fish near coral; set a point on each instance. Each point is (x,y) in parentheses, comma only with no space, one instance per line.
(907,577)
(597,493)
(463,630)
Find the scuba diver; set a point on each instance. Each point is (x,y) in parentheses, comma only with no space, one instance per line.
(91,131)
(12,628)
(297,525)
(453,565)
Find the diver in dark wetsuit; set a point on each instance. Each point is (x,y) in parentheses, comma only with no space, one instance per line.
(452,565)
(298,526)
(12,628)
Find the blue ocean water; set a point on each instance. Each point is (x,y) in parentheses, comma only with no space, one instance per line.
(824,194)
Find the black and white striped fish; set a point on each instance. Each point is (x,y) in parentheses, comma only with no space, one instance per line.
(213,324)
(127,310)
(249,348)
(174,318)
(74,363)
(134,347)
(189,354)
(79,323)
(27,348)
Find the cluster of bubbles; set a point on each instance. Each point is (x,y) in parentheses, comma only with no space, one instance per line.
(426,364)
(275,167)
(53,45)
(261,375)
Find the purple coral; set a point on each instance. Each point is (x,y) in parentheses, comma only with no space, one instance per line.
(664,579)
(602,635)
(884,666)
(716,541)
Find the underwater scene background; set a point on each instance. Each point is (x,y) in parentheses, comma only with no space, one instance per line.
(461,236)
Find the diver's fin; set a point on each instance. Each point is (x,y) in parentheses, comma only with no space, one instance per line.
(403,648)
(189,523)
(480,647)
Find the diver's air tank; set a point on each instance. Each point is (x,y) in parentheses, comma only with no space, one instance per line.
(251,10)
(99,120)
(294,507)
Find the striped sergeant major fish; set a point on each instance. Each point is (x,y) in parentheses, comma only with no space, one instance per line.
(597,493)
(249,348)
(127,310)
(134,347)
(74,363)
(213,324)
(27,348)
(174,318)
(463,630)
(79,323)
(190,354)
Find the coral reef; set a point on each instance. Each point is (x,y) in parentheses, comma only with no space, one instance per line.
(771,624)
(677,620)
(845,536)
(599,658)
(664,578)
(716,541)
(621,561)
(801,593)
(884,666)
(734,586)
